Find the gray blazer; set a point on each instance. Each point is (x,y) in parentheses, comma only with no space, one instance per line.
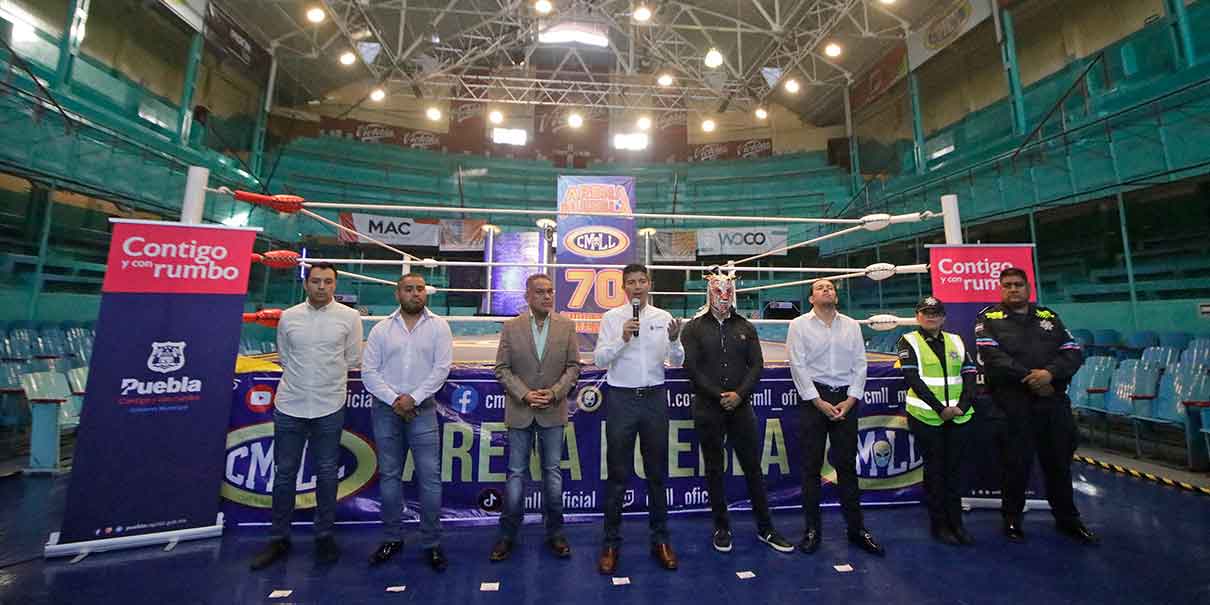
(520,371)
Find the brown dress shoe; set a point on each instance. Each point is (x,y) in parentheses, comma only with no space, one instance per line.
(501,550)
(559,546)
(608,563)
(663,553)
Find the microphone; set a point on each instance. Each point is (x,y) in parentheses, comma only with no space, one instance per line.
(635,303)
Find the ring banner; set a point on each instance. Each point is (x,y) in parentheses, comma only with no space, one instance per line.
(586,293)
(148,457)
(474,453)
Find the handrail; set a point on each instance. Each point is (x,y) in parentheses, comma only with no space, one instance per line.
(1008,155)
(1084,74)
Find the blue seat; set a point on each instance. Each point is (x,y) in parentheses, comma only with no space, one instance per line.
(1175,340)
(1138,341)
(1105,342)
(1100,371)
(1084,337)
(1132,383)
(1195,356)
(1159,357)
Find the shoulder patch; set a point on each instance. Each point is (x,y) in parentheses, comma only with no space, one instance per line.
(1044,313)
(995,315)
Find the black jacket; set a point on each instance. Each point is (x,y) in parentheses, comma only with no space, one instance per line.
(910,366)
(720,358)
(1011,344)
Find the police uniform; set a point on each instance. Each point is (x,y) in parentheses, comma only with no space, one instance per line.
(1010,346)
(939,373)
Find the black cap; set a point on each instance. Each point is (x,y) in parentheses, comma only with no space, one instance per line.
(928,303)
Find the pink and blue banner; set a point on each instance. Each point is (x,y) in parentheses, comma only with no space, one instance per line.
(149,450)
(587,293)
(474,453)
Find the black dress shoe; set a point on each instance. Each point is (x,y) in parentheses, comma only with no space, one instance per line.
(559,546)
(326,550)
(436,558)
(274,550)
(501,551)
(385,551)
(864,539)
(964,537)
(1013,531)
(810,541)
(1082,534)
(945,536)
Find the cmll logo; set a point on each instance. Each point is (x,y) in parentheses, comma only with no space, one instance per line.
(594,241)
(589,399)
(464,399)
(886,455)
(166,357)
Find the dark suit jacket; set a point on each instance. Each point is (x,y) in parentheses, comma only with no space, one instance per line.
(520,371)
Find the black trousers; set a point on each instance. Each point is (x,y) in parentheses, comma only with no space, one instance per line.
(943,449)
(817,430)
(738,427)
(1049,431)
(630,413)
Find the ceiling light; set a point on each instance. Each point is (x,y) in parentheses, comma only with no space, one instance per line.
(791,86)
(348,58)
(575,120)
(433,114)
(631,142)
(495,117)
(665,80)
(378,94)
(644,123)
(543,6)
(708,125)
(832,49)
(642,14)
(761,113)
(887,1)
(714,58)
(316,15)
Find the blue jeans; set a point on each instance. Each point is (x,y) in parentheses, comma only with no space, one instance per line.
(392,438)
(290,437)
(520,443)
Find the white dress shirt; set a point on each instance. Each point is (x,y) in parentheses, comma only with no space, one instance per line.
(833,355)
(317,348)
(398,361)
(638,362)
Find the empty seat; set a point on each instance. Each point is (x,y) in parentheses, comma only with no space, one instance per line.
(1084,337)
(1175,340)
(1159,357)
(1105,342)
(1100,377)
(1132,383)
(1194,356)
(1139,341)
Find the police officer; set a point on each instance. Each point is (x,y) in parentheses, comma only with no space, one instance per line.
(940,376)
(1028,358)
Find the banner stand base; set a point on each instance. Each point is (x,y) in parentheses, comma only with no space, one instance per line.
(986,503)
(82,549)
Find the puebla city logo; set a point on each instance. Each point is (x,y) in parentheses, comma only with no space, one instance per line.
(248,472)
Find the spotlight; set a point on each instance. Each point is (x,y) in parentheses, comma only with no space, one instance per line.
(714,58)
(433,114)
(642,14)
(495,117)
(708,125)
(665,80)
(348,58)
(378,94)
(791,86)
(575,120)
(644,123)
(761,113)
(316,15)
(543,6)
(832,50)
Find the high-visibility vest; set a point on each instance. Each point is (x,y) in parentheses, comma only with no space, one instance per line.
(942,377)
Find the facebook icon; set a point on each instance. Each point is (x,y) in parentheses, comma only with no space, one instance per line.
(464,400)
